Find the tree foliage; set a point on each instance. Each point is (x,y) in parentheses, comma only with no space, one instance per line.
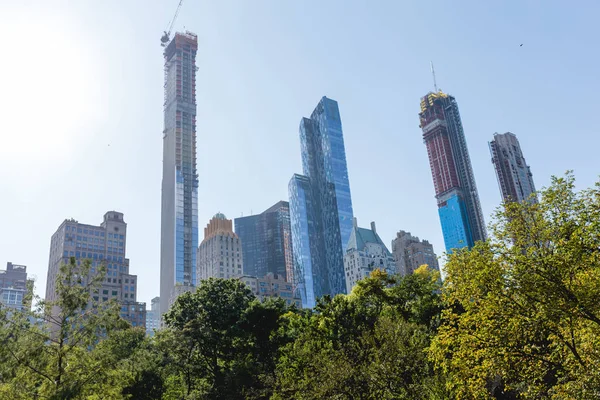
(523,310)
(369,345)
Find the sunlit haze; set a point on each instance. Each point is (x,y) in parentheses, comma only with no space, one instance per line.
(82,95)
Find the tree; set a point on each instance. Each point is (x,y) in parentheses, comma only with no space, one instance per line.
(522,316)
(220,342)
(370,344)
(53,352)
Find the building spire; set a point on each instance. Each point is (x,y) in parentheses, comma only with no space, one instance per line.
(433,73)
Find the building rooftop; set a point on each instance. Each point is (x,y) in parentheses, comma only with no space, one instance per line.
(361,236)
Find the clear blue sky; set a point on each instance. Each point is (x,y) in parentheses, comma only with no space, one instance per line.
(81,106)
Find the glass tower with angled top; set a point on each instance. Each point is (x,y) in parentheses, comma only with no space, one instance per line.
(321,206)
(179,213)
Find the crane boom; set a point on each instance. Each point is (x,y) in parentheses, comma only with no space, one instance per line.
(167,34)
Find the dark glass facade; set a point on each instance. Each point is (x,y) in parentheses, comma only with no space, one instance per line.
(266,242)
(321,206)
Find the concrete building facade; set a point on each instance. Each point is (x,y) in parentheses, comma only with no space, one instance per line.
(179,212)
(366,252)
(220,253)
(410,253)
(14,287)
(514,175)
(267,242)
(103,244)
(272,286)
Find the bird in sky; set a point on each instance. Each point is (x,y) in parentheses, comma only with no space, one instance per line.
(521,45)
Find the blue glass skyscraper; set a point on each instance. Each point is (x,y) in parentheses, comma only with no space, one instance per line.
(321,206)
(266,242)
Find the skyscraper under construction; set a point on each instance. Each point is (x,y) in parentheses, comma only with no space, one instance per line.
(514,175)
(179,213)
(455,190)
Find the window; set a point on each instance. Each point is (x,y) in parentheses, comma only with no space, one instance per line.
(114,292)
(105,291)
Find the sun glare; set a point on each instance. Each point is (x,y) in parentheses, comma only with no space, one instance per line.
(49,89)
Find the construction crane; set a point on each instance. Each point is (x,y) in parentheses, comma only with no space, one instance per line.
(167,34)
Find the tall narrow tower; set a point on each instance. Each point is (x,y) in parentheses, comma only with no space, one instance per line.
(455,190)
(514,175)
(321,216)
(179,220)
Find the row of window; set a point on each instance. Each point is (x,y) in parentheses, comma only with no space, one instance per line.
(84,231)
(92,256)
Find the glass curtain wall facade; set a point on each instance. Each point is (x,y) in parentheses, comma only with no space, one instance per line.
(179,220)
(266,242)
(514,175)
(330,155)
(454,182)
(320,206)
(307,242)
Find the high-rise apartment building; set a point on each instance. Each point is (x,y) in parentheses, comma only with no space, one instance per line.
(514,175)
(179,214)
(220,253)
(410,253)
(153,316)
(104,244)
(366,252)
(267,242)
(320,206)
(455,190)
(13,286)
(272,286)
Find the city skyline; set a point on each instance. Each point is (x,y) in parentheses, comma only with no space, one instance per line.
(252,97)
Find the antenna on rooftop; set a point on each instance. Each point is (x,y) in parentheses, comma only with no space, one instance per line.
(433,73)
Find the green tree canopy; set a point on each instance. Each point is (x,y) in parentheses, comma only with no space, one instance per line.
(523,309)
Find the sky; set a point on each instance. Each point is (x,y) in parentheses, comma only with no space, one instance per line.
(82,94)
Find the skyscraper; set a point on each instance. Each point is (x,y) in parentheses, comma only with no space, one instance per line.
(220,253)
(153,317)
(514,175)
(320,206)
(455,190)
(179,213)
(103,244)
(267,242)
(410,253)
(13,286)
(366,252)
